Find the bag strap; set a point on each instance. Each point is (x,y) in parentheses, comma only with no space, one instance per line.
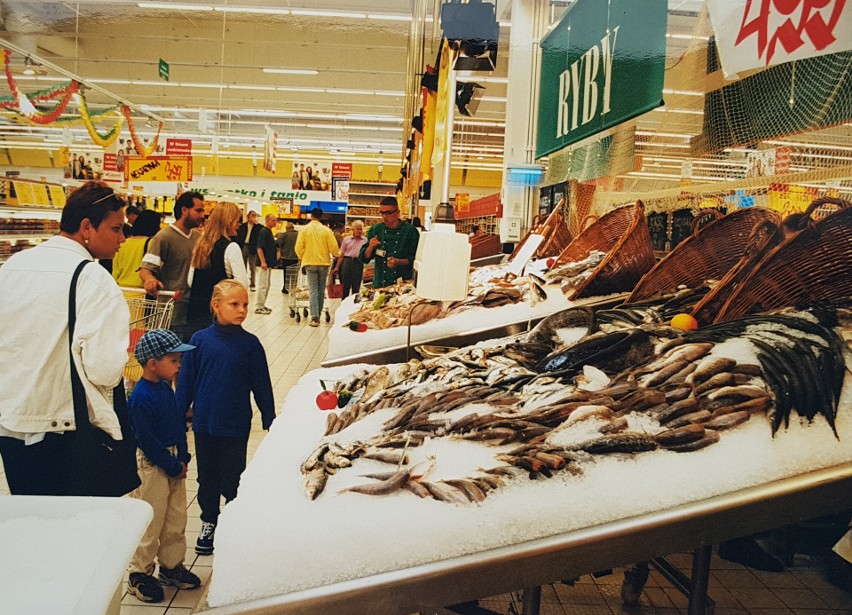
(78,393)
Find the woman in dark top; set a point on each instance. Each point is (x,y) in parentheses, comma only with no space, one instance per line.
(215,258)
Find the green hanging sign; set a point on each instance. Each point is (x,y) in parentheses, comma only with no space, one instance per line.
(164,70)
(602,64)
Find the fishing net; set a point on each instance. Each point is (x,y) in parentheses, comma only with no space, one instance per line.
(779,137)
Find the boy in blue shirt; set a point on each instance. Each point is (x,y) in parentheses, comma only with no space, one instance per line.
(161,457)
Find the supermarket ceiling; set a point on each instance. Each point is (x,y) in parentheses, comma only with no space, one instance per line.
(326,76)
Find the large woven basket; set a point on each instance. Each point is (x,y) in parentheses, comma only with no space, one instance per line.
(623,234)
(553,228)
(815,264)
(708,254)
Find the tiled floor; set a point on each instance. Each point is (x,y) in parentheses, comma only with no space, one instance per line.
(294,349)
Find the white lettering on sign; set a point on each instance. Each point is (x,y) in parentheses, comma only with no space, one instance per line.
(585,94)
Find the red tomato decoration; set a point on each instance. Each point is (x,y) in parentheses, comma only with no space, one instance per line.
(326,400)
(550,262)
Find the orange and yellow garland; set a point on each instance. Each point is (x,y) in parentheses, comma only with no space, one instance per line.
(137,142)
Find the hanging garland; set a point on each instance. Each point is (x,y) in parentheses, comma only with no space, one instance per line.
(104,140)
(26,106)
(39,96)
(137,142)
(93,117)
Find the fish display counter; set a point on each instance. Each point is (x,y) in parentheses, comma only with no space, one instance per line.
(499,304)
(484,471)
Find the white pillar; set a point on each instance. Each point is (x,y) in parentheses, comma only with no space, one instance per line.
(529,22)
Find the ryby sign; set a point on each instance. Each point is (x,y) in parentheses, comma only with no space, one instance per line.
(601,65)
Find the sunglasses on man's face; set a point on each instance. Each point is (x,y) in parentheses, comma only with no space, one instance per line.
(388,212)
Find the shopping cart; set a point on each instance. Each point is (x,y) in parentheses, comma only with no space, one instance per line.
(146,313)
(300,298)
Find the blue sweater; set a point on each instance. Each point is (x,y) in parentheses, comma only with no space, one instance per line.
(158,425)
(227,365)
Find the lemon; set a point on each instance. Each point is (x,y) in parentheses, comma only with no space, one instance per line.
(685,322)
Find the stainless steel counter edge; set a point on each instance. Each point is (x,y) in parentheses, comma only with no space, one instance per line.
(550,559)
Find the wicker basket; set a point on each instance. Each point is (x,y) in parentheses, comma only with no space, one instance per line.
(815,264)
(623,234)
(709,253)
(554,229)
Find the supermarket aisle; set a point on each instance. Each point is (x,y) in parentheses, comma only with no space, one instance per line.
(294,349)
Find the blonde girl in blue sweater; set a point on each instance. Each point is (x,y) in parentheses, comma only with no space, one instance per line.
(218,379)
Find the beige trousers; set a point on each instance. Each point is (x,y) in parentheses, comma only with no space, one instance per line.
(165,537)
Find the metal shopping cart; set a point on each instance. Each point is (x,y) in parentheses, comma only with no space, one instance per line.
(146,313)
(300,299)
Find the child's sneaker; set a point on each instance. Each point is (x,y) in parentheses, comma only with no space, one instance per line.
(204,544)
(180,577)
(145,587)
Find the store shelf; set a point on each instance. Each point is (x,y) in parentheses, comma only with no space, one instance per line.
(363,195)
(39,237)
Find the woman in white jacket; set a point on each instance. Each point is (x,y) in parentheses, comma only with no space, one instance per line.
(36,405)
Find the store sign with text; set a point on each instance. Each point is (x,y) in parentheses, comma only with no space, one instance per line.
(158,169)
(178,147)
(297,197)
(341,174)
(602,64)
(753,34)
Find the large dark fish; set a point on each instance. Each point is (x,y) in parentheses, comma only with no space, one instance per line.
(545,331)
(611,353)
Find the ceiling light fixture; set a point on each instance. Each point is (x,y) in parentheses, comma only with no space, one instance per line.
(381,17)
(291,71)
(174,7)
(251,10)
(313,13)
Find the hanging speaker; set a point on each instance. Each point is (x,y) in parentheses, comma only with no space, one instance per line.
(468,97)
(474,31)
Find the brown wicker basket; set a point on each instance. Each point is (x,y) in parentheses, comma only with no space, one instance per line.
(815,264)
(623,234)
(709,253)
(554,229)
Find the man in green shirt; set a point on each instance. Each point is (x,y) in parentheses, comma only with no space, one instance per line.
(393,243)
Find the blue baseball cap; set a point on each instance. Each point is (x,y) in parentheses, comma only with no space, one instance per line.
(157,343)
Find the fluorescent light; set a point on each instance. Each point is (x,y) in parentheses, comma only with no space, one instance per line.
(291,71)
(345,91)
(675,145)
(286,88)
(688,37)
(687,111)
(269,88)
(389,17)
(167,6)
(313,13)
(683,92)
(252,10)
(374,118)
(673,135)
(493,99)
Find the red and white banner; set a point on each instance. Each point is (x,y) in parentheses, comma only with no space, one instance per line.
(760,33)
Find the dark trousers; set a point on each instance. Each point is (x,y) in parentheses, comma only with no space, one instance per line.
(250,260)
(221,460)
(38,469)
(351,274)
(286,264)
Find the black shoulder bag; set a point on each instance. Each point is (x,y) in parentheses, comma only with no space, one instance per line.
(100,465)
